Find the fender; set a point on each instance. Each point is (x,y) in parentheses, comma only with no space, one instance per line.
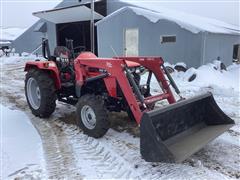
(49,66)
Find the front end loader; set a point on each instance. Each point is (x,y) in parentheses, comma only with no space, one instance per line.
(96,86)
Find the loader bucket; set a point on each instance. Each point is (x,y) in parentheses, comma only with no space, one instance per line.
(175,132)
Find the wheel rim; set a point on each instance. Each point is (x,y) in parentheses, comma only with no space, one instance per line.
(88,117)
(33,93)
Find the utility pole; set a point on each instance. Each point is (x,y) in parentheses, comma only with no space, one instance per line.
(92,30)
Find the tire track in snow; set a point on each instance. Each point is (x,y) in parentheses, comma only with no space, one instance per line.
(213,156)
(58,153)
(128,148)
(99,160)
(59,158)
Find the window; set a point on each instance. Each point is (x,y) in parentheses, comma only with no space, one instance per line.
(236,52)
(168,39)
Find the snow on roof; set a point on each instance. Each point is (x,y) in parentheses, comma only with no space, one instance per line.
(191,22)
(10,34)
(5,42)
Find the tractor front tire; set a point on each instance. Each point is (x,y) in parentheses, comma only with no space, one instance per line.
(92,115)
(40,93)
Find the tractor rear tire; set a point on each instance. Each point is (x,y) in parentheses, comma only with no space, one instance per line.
(40,93)
(92,115)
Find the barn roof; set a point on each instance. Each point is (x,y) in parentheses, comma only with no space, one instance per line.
(191,22)
(68,14)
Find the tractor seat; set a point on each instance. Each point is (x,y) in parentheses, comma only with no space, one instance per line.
(63,57)
(62,52)
(64,62)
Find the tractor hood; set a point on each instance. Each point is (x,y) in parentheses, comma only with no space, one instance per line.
(132,64)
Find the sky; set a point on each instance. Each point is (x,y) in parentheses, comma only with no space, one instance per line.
(18,13)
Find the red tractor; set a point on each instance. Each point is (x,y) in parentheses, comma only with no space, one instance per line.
(99,85)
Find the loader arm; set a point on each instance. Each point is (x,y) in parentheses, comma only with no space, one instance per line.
(117,68)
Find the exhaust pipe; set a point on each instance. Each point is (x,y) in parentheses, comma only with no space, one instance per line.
(173,133)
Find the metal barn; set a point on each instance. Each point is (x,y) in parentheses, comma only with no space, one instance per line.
(133,31)
(133,28)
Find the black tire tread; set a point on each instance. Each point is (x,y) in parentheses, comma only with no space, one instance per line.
(48,94)
(97,104)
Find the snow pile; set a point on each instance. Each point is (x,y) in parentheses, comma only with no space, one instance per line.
(10,34)
(181,64)
(223,84)
(20,145)
(1,53)
(209,76)
(5,42)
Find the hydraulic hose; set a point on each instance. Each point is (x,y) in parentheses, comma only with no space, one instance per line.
(172,82)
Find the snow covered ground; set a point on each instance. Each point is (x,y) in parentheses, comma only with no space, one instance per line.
(21,147)
(68,153)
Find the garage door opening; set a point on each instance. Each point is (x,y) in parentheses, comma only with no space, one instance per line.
(79,32)
(73,23)
(236,53)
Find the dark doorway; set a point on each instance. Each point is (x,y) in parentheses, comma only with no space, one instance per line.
(79,32)
(236,52)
